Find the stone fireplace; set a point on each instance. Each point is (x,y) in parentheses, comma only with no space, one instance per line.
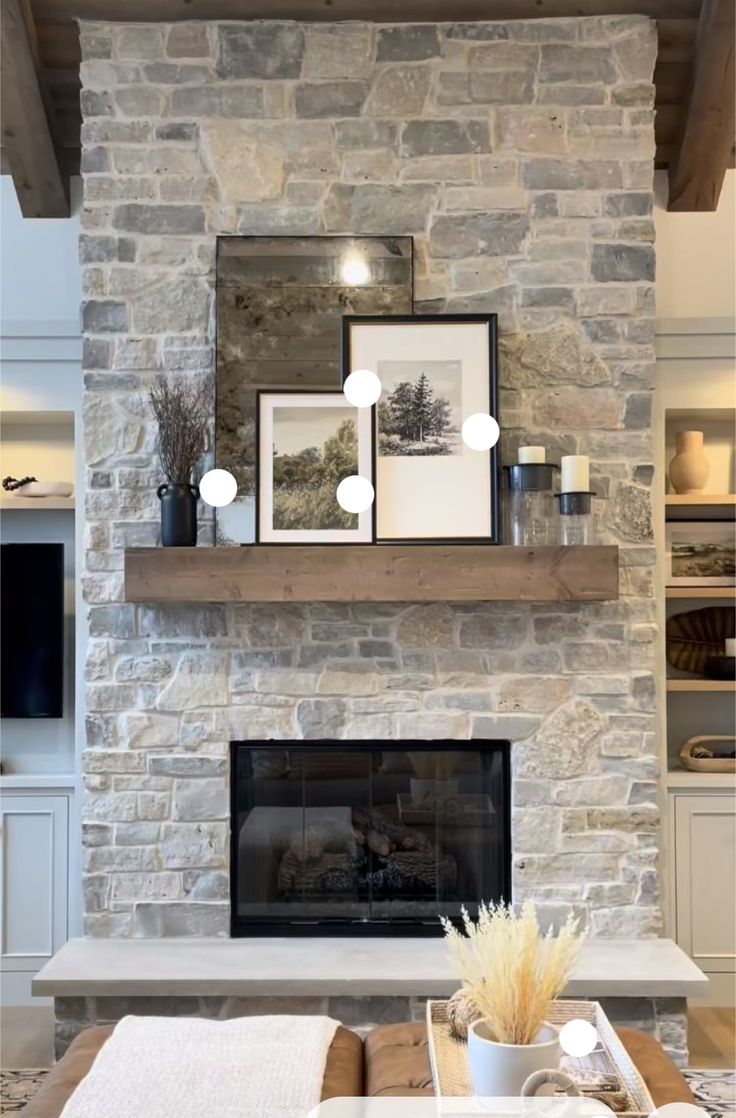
(366,838)
(519,156)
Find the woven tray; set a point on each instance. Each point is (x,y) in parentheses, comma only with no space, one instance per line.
(451,1071)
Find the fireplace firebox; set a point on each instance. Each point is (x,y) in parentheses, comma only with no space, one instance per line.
(366,837)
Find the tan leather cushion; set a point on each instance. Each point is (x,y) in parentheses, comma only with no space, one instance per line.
(397,1063)
(343,1070)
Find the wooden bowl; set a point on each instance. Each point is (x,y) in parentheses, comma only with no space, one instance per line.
(707,764)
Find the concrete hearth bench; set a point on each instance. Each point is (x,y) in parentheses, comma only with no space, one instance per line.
(393,1061)
(641,983)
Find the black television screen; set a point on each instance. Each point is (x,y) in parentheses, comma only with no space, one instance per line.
(32,630)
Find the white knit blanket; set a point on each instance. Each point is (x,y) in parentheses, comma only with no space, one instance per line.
(251,1067)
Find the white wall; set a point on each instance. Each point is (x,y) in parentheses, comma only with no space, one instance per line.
(696,256)
(41,371)
(39,267)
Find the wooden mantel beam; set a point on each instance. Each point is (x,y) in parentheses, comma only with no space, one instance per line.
(27,142)
(709,118)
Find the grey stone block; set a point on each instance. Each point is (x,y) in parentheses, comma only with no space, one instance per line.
(96,353)
(628,205)
(159,220)
(96,103)
(240,101)
(407,43)
(615,263)
(559,174)
(478,32)
(321,718)
(638,413)
(104,316)
(94,160)
(561,63)
(183,918)
(188,40)
(177,132)
(260,50)
(499,87)
(320,100)
(444,137)
(478,235)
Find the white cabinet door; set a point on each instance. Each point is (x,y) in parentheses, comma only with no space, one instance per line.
(34,886)
(705,879)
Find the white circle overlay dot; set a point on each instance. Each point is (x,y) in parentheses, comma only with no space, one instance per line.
(679,1110)
(218,488)
(355,493)
(480,431)
(578,1037)
(362,388)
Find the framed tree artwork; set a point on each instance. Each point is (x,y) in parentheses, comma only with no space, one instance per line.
(435,372)
(308,442)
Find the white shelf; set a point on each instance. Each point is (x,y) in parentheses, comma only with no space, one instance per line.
(36,504)
(725,593)
(679,500)
(702,685)
(681,779)
(18,782)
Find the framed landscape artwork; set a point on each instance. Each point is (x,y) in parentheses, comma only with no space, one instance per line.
(280,301)
(701,553)
(307,443)
(435,371)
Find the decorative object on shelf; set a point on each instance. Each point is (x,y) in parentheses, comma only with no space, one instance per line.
(32,487)
(181,413)
(435,372)
(279,304)
(720,667)
(576,511)
(693,636)
(514,973)
(308,443)
(698,755)
(701,553)
(689,469)
(531,519)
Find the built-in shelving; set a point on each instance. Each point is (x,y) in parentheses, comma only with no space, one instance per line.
(693,781)
(701,685)
(36,504)
(725,593)
(699,499)
(371,573)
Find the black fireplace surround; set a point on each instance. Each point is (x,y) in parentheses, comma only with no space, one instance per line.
(366,837)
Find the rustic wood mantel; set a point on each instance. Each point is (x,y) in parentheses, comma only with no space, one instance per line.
(371,573)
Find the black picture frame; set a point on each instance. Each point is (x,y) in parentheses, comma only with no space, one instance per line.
(286,392)
(491,321)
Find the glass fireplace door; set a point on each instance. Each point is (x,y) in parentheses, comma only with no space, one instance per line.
(368,837)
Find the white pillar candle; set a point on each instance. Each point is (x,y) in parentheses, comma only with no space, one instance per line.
(531,455)
(575,474)
(730,646)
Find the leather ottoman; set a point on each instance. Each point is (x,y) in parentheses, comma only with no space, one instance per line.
(397,1064)
(343,1071)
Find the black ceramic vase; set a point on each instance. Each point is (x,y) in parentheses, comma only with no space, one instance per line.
(178,514)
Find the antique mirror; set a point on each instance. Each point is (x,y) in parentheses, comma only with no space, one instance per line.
(280,301)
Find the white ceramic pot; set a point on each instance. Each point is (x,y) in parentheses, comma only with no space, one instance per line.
(689,469)
(501,1070)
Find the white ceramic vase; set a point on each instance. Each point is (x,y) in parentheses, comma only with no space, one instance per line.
(689,469)
(501,1070)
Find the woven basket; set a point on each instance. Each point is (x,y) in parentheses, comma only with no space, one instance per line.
(451,1070)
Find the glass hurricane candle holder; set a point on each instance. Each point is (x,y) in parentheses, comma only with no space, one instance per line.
(576,524)
(530,513)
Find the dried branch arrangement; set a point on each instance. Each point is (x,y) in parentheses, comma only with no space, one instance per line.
(511,969)
(181,414)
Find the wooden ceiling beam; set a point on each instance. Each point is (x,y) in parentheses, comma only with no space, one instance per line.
(152,11)
(709,120)
(26,135)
